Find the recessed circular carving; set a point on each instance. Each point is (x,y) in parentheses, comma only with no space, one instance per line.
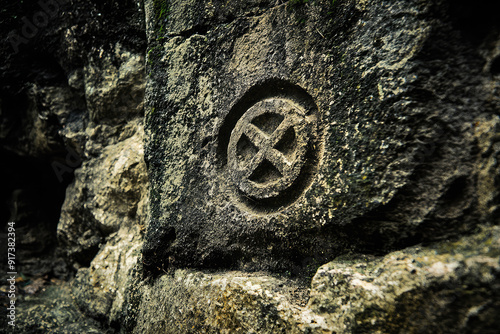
(273,147)
(267,147)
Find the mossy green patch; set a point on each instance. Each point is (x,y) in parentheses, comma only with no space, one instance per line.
(161,15)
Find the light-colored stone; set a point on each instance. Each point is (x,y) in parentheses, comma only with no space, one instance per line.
(100,289)
(108,193)
(451,287)
(115,94)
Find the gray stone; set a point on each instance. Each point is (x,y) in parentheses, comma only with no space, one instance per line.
(110,186)
(53,311)
(100,290)
(72,105)
(451,287)
(109,193)
(115,93)
(314,167)
(380,104)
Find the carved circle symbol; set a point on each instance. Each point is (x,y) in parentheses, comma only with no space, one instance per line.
(267,147)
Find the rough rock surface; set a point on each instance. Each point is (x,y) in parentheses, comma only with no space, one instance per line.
(54,311)
(108,193)
(451,287)
(71,139)
(100,291)
(312,166)
(280,133)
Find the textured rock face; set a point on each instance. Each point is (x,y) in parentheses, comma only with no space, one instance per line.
(284,133)
(108,193)
(314,167)
(71,140)
(53,312)
(450,288)
(100,291)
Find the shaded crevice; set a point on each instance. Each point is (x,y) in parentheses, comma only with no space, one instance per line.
(474,20)
(495,66)
(32,197)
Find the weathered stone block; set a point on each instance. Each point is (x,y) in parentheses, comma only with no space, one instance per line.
(282,134)
(451,287)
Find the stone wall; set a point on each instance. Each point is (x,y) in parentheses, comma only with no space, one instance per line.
(73,174)
(285,133)
(263,166)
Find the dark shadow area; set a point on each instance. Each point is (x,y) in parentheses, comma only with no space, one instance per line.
(32,196)
(474,20)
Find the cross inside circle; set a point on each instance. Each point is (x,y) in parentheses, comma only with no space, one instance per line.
(267,147)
